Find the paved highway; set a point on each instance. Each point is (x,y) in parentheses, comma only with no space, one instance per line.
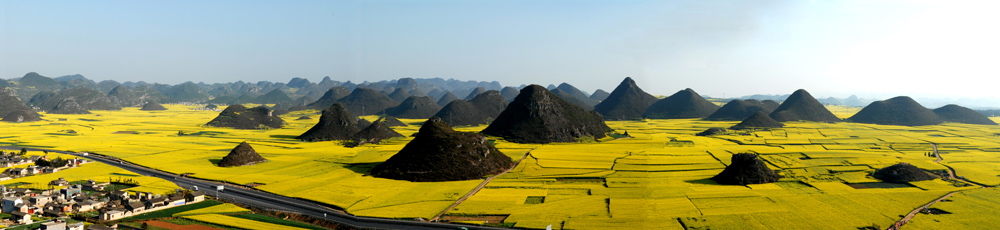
(268,200)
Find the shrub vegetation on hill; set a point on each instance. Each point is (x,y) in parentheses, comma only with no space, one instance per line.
(539,116)
(439,153)
(626,102)
(900,110)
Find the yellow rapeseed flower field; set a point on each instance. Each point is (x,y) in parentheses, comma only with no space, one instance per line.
(658,179)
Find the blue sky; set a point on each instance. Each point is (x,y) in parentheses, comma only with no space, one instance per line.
(879,48)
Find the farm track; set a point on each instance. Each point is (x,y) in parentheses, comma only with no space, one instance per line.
(951,175)
(266,200)
(480,187)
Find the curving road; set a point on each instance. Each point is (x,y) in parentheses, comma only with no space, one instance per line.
(268,200)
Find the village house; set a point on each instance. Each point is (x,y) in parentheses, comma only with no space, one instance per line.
(54,225)
(111,215)
(40,200)
(59,182)
(195,196)
(93,186)
(75,226)
(10,204)
(49,170)
(21,218)
(134,207)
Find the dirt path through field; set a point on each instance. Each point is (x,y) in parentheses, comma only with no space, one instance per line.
(951,175)
(480,187)
(174,226)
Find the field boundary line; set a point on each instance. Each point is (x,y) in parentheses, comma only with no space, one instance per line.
(480,187)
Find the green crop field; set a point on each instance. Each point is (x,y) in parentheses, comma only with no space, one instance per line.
(658,179)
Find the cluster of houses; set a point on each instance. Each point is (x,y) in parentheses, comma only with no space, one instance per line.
(11,159)
(23,203)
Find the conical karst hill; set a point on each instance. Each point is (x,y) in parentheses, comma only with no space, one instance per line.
(22,116)
(448,97)
(579,95)
(475,92)
(599,95)
(415,108)
(959,114)
(10,103)
(509,93)
(273,97)
(801,106)
(399,94)
(376,132)
(482,109)
(331,96)
(68,106)
(123,97)
(363,102)
(569,98)
(896,111)
(362,124)
(438,153)
(744,169)
(683,104)
(626,102)
(242,155)
(241,117)
(152,105)
(539,116)
(758,120)
(336,123)
(86,99)
(769,105)
(738,110)
(393,122)
(901,173)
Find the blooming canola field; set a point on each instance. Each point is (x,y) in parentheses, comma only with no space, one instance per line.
(658,179)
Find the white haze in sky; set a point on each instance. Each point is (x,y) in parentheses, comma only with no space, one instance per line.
(877,49)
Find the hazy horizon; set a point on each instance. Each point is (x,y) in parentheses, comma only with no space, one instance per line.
(873,49)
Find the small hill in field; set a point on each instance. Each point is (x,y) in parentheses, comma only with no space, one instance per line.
(711,131)
(900,110)
(758,120)
(242,155)
(21,116)
(336,123)
(415,108)
(599,95)
(374,133)
(439,153)
(362,124)
(683,104)
(152,105)
(393,122)
(626,102)
(482,109)
(364,101)
(241,117)
(331,96)
(9,103)
(539,116)
(448,97)
(901,173)
(737,110)
(959,114)
(746,168)
(801,106)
